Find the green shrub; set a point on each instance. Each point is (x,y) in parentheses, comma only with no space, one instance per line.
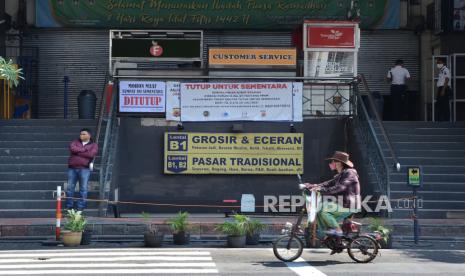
(254,226)
(76,222)
(376,225)
(234,228)
(179,222)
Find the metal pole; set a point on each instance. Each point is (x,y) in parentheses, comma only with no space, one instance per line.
(454,85)
(433,89)
(58,214)
(65,97)
(416,232)
(8,100)
(4,100)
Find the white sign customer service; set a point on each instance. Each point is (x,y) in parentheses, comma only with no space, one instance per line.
(142,96)
(251,101)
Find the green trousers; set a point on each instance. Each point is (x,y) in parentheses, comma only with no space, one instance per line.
(330,215)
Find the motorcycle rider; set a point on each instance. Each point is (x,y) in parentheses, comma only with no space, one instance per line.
(344,185)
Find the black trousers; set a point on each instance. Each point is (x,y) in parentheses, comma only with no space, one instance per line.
(397,91)
(442,104)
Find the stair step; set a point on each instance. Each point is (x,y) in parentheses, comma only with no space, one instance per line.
(40,176)
(427,153)
(35,144)
(38,136)
(33,162)
(457,178)
(429,204)
(39,213)
(35,204)
(430,195)
(422,131)
(59,151)
(27,168)
(432,169)
(423,138)
(11,186)
(30,160)
(35,194)
(49,122)
(434,187)
(426,213)
(413,124)
(415,145)
(44,129)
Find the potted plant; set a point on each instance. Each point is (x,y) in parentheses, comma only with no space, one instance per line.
(235,231)
(152,237)
(179,225)
(253,229)
(86,236)
(377,226)
(10,72)
(74,226)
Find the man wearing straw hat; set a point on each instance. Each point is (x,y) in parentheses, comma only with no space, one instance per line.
(343,185)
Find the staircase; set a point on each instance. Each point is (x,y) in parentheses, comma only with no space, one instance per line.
(439,148)
(33,162)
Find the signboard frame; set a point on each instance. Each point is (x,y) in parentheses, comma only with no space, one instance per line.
(120,113)
(250,51)
(414,183)
(328,49)
(154,35)
(233,153)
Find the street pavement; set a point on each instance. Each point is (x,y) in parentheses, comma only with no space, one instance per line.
(127,259)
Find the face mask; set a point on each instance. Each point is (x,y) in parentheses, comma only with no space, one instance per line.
(332,166)
(440,65)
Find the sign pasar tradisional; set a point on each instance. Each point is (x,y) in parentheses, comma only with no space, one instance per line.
(230,153)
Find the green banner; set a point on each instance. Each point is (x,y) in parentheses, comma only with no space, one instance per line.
(211,14)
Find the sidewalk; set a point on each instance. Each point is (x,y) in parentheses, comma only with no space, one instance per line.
(202,227)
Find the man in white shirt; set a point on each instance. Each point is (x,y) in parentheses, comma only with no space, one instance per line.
(398,77)
(443,93)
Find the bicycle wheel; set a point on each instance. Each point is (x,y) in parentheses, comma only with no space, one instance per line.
(363,249)
(288,248)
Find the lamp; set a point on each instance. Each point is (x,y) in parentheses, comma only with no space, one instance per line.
(292,128)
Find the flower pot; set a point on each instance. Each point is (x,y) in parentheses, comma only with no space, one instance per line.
(86,237)
(180,238)
(236,241)
(152,239)
(71,238)
(253,239)
(386,244)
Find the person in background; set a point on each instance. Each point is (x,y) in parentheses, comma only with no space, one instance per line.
(443,93)
(398,77)
(82,152)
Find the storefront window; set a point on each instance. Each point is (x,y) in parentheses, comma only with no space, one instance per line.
(330,64)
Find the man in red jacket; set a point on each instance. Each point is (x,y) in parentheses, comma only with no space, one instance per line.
(82,152)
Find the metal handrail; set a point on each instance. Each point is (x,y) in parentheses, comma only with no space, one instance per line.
(106,160)
(380,122)
(103,103)
(176,77)
(382,176)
